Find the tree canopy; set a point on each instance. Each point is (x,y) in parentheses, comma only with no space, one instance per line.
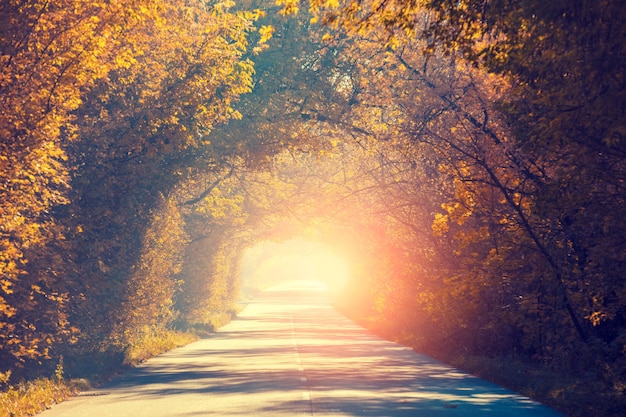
(468,157)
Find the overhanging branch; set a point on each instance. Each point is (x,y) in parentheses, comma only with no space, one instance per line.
(209,189)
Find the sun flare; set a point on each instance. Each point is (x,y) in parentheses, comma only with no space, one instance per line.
(269,263)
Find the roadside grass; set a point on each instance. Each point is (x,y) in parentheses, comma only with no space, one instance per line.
(80,371)
(28,398)
(212,322)
(152,343)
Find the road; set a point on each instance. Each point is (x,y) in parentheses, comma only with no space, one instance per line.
(290,354)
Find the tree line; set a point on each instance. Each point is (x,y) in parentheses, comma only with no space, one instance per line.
(468,155)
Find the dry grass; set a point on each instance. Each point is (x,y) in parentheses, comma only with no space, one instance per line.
(29,398)
(153,343)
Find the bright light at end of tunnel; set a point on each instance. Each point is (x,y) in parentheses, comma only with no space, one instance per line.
(329,269)
(269,263)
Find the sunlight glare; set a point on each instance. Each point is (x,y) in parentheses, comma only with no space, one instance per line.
(269,263)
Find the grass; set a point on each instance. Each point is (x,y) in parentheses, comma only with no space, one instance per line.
(154,342)
(29,398)
(26,399)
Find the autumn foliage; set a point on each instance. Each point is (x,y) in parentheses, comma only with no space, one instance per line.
(90,89)
(468,157)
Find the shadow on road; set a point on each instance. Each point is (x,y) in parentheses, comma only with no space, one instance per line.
(291,354)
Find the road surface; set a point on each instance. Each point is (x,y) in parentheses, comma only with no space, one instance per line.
(290,354)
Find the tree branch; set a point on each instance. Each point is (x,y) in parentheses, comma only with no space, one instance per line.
(209,189)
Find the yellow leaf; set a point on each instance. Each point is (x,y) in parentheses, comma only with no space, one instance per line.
(266,32)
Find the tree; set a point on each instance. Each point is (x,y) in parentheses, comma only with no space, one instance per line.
(215,220)
(104,106)
(142,131)
(147,301)
(561,66)
(49,57)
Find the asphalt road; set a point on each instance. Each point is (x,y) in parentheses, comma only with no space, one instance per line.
(290,354)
